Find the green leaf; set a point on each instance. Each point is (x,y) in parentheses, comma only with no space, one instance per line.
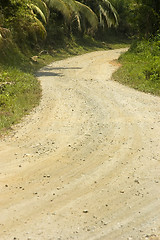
(88,14)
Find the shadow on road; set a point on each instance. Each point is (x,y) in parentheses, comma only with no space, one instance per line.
(48,71)
(49,74)
(60,68)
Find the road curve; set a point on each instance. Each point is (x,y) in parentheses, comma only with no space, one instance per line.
(85,164)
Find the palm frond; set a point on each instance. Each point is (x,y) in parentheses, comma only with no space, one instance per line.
(71,4)
(78,19)
(38,28)
(60,6)
(74,11)
(38,11)
(109,13)
(88,14)
(42,6)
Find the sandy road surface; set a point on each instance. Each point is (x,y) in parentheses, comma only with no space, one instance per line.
(86,163)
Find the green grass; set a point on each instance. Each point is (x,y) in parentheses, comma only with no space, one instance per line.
(20,91)
(141,66)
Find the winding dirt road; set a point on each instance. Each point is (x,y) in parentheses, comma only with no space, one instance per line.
(85,164)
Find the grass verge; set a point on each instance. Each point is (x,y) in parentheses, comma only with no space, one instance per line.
(141,66)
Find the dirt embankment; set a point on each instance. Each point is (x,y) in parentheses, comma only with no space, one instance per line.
(86,163)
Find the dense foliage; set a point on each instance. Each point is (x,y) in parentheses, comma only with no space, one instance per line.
(29,21)
(147,16)
(138,18)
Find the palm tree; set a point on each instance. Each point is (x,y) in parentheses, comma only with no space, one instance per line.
(88,14)
(107,14)
(74,10)
(81,11)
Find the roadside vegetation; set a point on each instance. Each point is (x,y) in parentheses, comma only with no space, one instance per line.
(34,33)
(141,66)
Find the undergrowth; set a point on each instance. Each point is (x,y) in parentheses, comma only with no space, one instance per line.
(141,66)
